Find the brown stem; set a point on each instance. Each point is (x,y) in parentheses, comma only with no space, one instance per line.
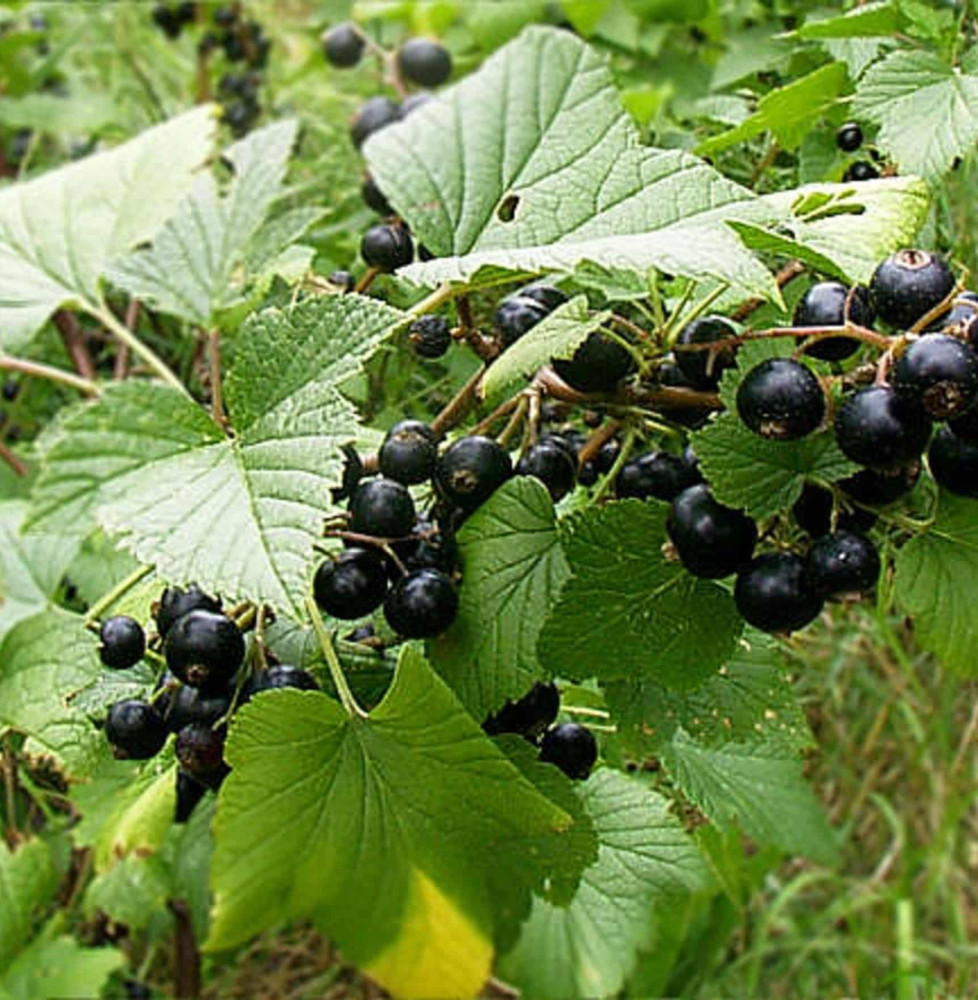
(806,333)
(675,398)
(597,441)
(503,410)
(793,269)
(367,280)
(121,369)
(12,460)
(627,324)
(458,406)
(514,421)
(8,765)
(186,955)
(384,544)
(37,370)
(74,341)
(939,310)
(217,388)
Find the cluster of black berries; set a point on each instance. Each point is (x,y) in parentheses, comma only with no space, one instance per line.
(203,684)
(171,19)
(849,139)
(569,746)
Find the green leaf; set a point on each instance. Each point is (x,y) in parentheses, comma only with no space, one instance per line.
(760,786)
(874,20)
(59,231)
(28,881)
(191,268)
(89,112)
(238,515)
(384,831)
(927,111)
(44,661)
(645,862)
(557,336)
(936,582)
(627,612)
(59,967)
(133,892)
(513,568)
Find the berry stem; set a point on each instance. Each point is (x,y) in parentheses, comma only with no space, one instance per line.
(333,662)
(50,373)
(384,544)
(514,422)
(620,460)
(431,302)
(457,407)
(503,410)
(367,280)
(598,439)
(680,319)
(116,593)
(74,341)
(793,269)
(214,368)
(809,333)
(939,310)
(14,461)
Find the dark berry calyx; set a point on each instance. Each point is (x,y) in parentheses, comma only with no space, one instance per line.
(552,465)
(352,585)
(123,642)
(387,246)
(877,428)
(382,508)
(204,650)
(712,540)
(940,373)
(703,368)
(528,716)
(781,399)
(175,603)
(843,563)
(598,365)
(408,453)
(908,285)
(343,46)
(570,747)
(471,470)
(430,336)
(424,62)
(135,729)
(422,604)
(774,593)
(849,137)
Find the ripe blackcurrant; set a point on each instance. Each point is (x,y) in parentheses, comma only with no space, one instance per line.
(10,390)
(713,541)
(879,429)
(430,336)
(282,675)
(570,747)
(938,372)
(550,464)
(704,368)
(959,317)
(824,304)
(861,170)
(175,603)
(204,650)
(424,62)
(123,642)
(528,716)
(843,563)
(374,114)
(421,605)
(598,365)
(408,452)
(656,474)
(414,101)
(343,46)
(849,138)
(813,513)
(908,285)
(200,750)
(189,793)
(382,508)
(343,279)
(374,197)
(781,399)
(471,470)
(966,426)
(878,488)
(387,246)
(135,729)
(774,593)
(516,315)
(546,295)
(188,705)
(351,585)
(954,463)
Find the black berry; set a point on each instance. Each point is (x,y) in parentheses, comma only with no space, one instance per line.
(598,365)
(187,705)
(204,649)
(861,170)
(382,508)
(471,470)
(813,513)
(849,138)
(408,453)
(351,585)
(413,102)
(960,317)
(966,426)
(877,488)
(343,46)
(528,716)
(374,197)
(283,675)
(175,603)
(713,541)
(516,315)
(656,474)
(774,593)
(908,285)
(546,295)
(123,642)
(843,563)
(938,372)
(200,751)
(135,729)
(374,114)
(552,466)
(189,793)
(10,390)
(343,279)
(954,463)
(879,429)
(387,246)
(824,304)
(430,336)
(424,62)
(570,747)
(781,399)
(704,368)
(421,605)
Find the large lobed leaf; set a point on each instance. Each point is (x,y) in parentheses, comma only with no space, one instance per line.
(28,879)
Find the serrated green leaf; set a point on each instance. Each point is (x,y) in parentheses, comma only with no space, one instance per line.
(513,569)
(59,231)
(557,336)
(133,892)
(154,469)
(382,830)
(873,20)
(59,967)
(936,582)
(927,111)
(28,880)
(87,113)
(759,786)
(627,612)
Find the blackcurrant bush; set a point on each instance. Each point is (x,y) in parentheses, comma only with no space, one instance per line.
(424,62)
(165,18)
(373,115)
(813,513)
(781,399)
(135,729)
(966,426)
(881,430)
(421,605)
(283,675)
(606,457)
(774,593)
(351,585)
(413,102)
(10,390)
(861,170)
(188,705)
(843,563)
(343,279)
(598,365)
(382,508)
(960,317)
(570,747)
(123,642)
(374,197)
(570,446)
(906,286)
(703,369)
(516,315)
(954,463)
(552,466)
(343,46)
(528,716)
(430,336)
(470,470)
(656,474)
(387,246)
(204,650)
(189,793)
(408,453)
(938,372)
(713,541)
(200,750)
(877,488)
(824,304)
(546,295)
(226,16)
(849,138)
(175,603)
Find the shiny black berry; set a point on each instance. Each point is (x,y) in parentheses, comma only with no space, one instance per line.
(546,295)
(430,336)
(204,649)
(824,304)
(374,114)
(704,368)
(471,470)
(382,508)
(552,465)
(906,286)
(843,563)
(10,389)
(712,541)
(849,138)
(351,585)
(781,399)
(135,729)
(813,510)
(374,197)
(598,365)
(861,170)
(189,793)
(176,602)
(939,373)
(528,716)
(421,605)
(413,102)
(424,62)
(516,315)
(570,747)
(658,475)
(200,751)
(966,426)
(408,452)
(954,463)
(960,317)
(343,279)
(167,20)
(343,46)
(877,488)
(881,430)
(187,705)
(387,246)
(283,675)
(775,594)
(123,642)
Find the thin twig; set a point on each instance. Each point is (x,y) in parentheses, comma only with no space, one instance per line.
(38,370)
(503,410)
(347,698)
(807,333)
(597,441)
(514,421)
(74,341)
(367,280)
(458,406)
(214,367)
(785,276)
(121,368)
(12,460)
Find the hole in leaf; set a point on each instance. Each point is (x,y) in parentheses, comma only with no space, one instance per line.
(507,208)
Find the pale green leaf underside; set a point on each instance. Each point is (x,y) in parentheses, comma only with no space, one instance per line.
(27,880)
(59,967)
